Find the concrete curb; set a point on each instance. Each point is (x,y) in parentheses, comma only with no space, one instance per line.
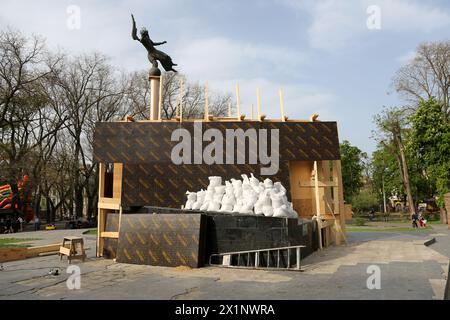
(426,242)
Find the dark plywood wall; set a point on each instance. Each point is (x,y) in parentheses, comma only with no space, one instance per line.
(150,177)
(162,239)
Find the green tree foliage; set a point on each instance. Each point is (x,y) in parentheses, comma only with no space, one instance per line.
(352,169)
(365,200)
(385,171)
(430,141)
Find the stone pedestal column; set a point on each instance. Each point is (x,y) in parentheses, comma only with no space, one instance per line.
(155,80)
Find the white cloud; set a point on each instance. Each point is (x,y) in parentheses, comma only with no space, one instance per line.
(336,24)
(224,58)
(407,57)
(202,57)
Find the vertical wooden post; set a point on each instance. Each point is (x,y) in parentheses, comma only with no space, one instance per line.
(238,102)
(206,102)
(100,212)
(282,105)
(316,193)
(258,102)
(160,98)
(251,112)
(339,198)
(181,100)
(316,188)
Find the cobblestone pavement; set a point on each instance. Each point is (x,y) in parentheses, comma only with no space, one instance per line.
(408,269)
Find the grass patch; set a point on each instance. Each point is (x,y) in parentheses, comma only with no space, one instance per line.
(91,232)
(15,242)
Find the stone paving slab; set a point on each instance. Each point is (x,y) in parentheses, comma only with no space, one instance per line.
(408,269)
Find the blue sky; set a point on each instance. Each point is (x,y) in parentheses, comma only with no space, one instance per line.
(320,52)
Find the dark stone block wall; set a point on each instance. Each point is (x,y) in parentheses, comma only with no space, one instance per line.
(176,237)
(226,233)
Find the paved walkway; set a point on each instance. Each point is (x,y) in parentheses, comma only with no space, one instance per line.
(409,270)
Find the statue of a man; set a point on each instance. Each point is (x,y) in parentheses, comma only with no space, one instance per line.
(154,55)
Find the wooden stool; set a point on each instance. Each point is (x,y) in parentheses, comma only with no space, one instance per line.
(70,250)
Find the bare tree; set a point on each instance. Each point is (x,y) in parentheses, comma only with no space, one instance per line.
(89,93)
(427,75)
(193,97)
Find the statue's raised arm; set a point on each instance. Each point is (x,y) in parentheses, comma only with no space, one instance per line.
(134,30)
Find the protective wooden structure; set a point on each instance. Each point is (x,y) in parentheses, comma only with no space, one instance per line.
(316,189)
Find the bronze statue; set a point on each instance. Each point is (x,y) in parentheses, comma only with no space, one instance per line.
(154,55)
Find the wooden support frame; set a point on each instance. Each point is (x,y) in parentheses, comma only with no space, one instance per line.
(316,191)
(106,205)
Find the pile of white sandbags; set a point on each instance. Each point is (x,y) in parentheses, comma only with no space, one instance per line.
(246,196)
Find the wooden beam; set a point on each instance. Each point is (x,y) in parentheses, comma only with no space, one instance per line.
(283,118)
(181,100)
(161,79)
(238,102)
(109,234)
(101,194)
(206,115)
(101,179)
(120,219)
(340,194)
(258,102)
(312,184)
(117,180)
(316,188)
(108,205)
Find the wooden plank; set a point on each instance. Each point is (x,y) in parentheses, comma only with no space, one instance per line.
(101,180)
(238,103)
(120,218)
(258,103)
(111,206)
(206,113)
(35,251)
(110,234)
(322,184)
(160,97)
(181,100)
(65,251)
(109,200)
(117,180)
(316,188)
(12,254)
(283,118)
(101,219)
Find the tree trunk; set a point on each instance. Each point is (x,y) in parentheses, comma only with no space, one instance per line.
(79,200)
(404,172)
(443,215)
(48,213)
